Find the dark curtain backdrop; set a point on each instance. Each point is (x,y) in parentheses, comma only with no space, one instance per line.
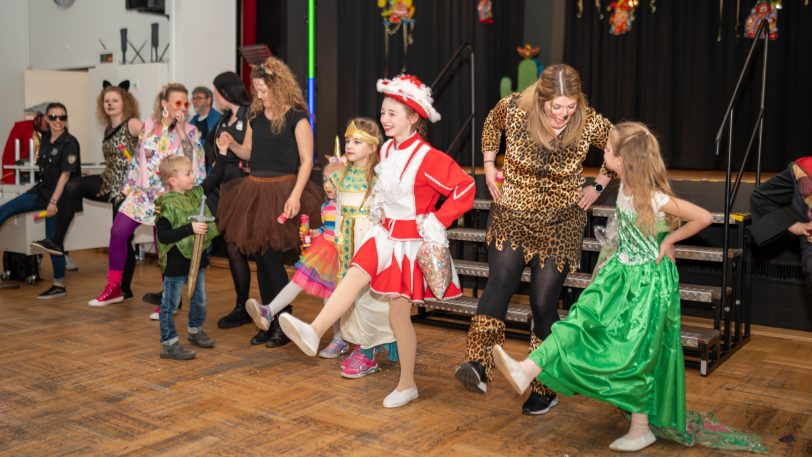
(441,28)
(671,73)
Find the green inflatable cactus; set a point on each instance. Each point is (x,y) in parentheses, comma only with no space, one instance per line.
(528,71)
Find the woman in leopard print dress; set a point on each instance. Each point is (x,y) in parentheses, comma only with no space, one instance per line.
(537,220)
(118,110)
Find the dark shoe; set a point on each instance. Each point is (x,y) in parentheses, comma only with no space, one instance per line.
(52,292)
(261,337)
(237,317)
(153,298)
(176,352)
(277,336)
(200,339)
(472,376)
(128,295)
(48,246)
(538,404)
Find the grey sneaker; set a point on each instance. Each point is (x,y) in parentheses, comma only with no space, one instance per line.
(200,339)
(176,352)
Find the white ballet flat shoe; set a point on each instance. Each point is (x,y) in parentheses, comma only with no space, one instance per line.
(300,333)
(400,397)
(637,444)
(516,377)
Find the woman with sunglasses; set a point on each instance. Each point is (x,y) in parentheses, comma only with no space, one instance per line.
(118,110)
(58,161)
(166,133)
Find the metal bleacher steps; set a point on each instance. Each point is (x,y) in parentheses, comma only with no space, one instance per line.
(704,347)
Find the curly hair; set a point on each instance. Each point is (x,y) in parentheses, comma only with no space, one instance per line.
(283,91)
(555,81)
(164,94)
(129,105)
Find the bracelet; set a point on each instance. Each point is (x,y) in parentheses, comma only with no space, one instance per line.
(486,161)
(53,202)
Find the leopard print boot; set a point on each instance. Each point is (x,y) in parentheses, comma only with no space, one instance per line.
(485,332)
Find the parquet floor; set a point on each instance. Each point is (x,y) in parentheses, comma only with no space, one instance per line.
(77,380)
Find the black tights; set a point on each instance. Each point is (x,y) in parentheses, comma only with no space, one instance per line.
(271,275)
(240,272)
(71,202)
(505,273)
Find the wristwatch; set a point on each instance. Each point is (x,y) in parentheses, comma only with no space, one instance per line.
(598,187)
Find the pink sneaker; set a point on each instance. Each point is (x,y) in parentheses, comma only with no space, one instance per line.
(112,294)
(156,314)
(356,351)
(358,365)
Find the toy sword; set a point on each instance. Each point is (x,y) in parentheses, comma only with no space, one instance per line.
(197,251)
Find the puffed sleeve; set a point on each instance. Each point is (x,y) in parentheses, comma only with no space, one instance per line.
(596,131)
(447,178)
(494,125)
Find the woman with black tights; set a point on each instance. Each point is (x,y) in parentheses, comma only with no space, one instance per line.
(233,99)
(118,110)
(257,213)
(537,220)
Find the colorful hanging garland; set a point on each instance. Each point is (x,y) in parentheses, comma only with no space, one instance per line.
(485,11)
(621,16)
(763,9)
(397,14)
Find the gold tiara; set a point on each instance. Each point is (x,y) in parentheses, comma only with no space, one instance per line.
(354,132)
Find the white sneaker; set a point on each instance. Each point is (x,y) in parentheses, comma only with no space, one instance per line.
(637,444)
(400,397)
(70,265)
(516,377)
(258,313)
(300,333)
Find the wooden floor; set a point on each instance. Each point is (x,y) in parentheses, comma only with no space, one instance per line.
(77,380)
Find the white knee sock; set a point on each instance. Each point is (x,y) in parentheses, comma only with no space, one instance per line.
(284,298)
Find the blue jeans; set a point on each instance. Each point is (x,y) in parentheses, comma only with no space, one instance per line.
(28,203)
(173,289)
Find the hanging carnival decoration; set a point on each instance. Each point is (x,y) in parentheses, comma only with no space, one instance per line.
(484,9)
(621,16)
(763,9)
(397,14)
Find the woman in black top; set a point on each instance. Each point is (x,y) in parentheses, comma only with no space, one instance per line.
(257,214)
(233,99)
(118,110)
(58,161)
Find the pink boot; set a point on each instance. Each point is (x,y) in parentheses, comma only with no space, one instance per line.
(112,292)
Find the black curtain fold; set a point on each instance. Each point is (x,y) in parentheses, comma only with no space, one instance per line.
(671,73)
(441,28)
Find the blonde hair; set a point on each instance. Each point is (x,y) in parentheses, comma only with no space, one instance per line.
(163,95)
(129,105)
(644,172)
(170,166)
(555,81)
(371,127)
(283,91)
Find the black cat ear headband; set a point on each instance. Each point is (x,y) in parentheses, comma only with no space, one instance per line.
(123,84)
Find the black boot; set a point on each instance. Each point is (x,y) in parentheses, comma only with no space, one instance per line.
(277,336)
(153,298)
(261,337)
(237,317)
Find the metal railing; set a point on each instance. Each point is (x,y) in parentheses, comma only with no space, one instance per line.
(470,120)
(762,36)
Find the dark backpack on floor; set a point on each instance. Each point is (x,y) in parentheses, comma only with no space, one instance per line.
(20,267)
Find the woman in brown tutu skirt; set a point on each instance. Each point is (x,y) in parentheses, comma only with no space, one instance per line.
(258,213)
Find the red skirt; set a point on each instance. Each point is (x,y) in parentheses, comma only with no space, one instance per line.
(393,270)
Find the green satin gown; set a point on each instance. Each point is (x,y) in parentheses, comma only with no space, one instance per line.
(620,342)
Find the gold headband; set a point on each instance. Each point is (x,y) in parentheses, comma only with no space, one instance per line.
(354,132)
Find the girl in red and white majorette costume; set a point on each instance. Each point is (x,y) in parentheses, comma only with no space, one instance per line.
(411,177)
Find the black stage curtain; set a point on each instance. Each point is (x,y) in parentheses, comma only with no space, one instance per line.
(441,28)
(671,73)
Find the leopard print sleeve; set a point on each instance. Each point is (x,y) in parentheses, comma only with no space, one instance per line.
(596,131)
(494,126)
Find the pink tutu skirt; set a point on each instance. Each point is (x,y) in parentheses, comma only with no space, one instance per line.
(317,268)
